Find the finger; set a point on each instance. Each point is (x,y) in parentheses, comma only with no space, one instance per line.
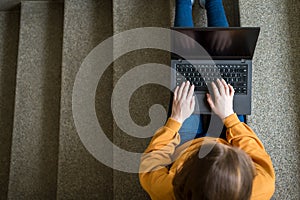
(175,93)
(185,90)
(231,90)
(179,93)
(193,102)
(215,89)
(225,86)
(190,93)
(220,87)
(210,101)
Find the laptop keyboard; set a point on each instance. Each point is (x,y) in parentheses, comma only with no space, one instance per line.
(201,75)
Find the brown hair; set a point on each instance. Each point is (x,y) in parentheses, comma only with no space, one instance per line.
(225,173)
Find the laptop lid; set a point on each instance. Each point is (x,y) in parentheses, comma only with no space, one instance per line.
(231,43)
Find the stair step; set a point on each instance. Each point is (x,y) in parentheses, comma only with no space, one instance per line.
(128,15)
(9,36)
(6,5)
(33,168)
(80,175)
(232,11)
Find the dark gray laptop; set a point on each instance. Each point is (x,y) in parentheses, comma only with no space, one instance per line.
(228,54)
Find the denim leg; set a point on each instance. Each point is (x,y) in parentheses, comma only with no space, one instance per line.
(241,118)
(183,14)
(216,16)
(191,128)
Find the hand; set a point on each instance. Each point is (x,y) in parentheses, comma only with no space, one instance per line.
(183,102)
(223,99)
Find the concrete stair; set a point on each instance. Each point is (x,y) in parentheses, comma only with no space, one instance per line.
(34,151)
(42,156)
(126,185)
(9,37)
(80,176)
(43,45)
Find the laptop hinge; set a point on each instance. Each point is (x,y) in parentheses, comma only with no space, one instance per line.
(243,61)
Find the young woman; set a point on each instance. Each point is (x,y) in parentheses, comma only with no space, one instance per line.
(234,168)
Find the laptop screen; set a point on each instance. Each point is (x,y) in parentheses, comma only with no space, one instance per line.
(220,43)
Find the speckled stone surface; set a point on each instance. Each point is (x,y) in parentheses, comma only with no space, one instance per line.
(127,15)
(9,37)
(276,83)
(232,12)
(80,176)
(33,166)
(6,5)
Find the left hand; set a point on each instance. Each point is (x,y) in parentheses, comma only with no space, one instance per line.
(183,102)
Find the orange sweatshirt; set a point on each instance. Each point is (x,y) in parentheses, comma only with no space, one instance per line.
(156,178)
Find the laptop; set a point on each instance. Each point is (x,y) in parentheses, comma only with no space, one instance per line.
(211,53)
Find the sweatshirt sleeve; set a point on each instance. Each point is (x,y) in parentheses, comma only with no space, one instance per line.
(154,174)
(240,135)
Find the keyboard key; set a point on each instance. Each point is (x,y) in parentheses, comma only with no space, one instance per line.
(200,75)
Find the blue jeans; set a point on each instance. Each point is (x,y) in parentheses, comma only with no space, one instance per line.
(215,14)
(193,126)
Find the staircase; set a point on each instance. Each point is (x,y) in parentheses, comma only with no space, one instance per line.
(43,44)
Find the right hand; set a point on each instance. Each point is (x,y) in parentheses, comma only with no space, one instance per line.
(222,105)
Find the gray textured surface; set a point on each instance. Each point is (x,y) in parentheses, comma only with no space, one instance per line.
(9,37)
(14,4)
(126,185)
(8,4)
(276,82)
(80,176)
(232,12)
(36,118)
